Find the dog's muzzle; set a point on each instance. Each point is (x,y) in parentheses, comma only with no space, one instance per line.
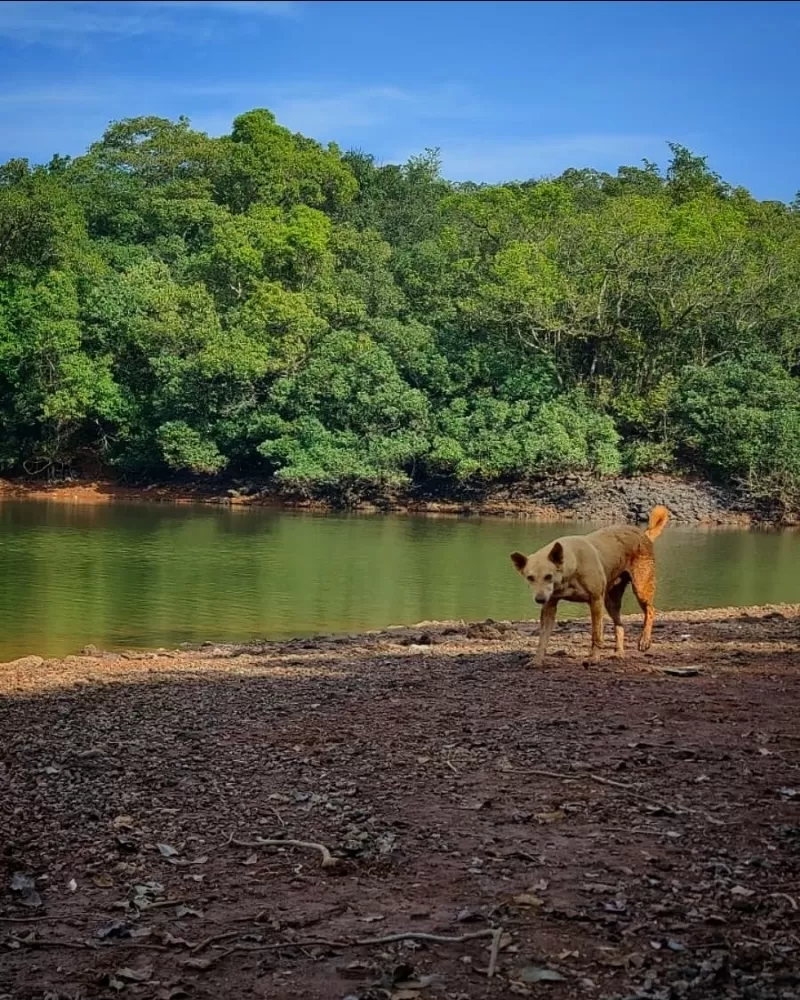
(540,600)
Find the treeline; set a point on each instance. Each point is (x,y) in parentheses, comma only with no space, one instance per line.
(259,304)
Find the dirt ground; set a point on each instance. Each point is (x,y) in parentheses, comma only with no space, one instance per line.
(616,831)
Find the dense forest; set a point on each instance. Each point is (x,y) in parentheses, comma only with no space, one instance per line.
(262,305)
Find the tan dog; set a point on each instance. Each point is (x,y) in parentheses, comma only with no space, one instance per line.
(595,569)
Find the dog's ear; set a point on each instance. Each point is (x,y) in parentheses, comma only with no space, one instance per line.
(556,554)
(519,560)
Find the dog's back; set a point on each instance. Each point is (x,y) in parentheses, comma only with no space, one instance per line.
(620,546)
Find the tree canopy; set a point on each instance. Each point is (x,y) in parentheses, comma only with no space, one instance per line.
(261,304)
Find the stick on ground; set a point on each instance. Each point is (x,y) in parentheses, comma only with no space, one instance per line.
(328,860)
(598,779)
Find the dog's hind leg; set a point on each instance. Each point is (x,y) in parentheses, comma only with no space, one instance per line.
(643,582)
(614,596)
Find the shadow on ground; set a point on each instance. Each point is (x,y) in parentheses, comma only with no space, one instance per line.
(631,832)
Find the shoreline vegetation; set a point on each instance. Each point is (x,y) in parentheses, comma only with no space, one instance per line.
(616,499)
(263,310)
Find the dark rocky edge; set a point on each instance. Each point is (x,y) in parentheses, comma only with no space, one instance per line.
(567,497)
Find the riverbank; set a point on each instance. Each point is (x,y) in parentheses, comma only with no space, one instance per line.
(555,498)
(629,829)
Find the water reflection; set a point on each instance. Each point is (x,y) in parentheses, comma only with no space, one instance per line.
(127,575)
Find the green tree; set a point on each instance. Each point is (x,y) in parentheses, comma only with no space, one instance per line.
(172,303)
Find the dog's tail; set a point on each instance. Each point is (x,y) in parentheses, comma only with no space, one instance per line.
(658,518)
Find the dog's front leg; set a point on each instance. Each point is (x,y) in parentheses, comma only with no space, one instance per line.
(596,608)
(546,623)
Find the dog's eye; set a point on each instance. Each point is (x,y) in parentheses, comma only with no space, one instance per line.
(548,577)
(531,578)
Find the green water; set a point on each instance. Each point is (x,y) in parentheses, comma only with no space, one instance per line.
(137,575)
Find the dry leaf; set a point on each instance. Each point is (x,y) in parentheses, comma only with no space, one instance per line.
(26,887)
(539,974)
(198,963)
(550,817)
(135,975)
(528,899)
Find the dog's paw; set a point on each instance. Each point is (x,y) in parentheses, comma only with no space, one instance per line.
(644,645)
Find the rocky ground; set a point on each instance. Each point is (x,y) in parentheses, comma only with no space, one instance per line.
(413,814)
(554,498)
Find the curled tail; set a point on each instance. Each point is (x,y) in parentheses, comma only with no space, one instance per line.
(658,518)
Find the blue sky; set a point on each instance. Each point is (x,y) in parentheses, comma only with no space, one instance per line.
(505,90)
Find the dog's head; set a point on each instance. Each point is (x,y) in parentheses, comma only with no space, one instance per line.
(544,570)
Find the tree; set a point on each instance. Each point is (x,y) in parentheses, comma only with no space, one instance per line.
(259,303)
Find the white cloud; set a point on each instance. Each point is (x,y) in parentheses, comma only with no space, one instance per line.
(47,96)
(37,120)
(269,7)
(493,159)
(323,113)
(70,22)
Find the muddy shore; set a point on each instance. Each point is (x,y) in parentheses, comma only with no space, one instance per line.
(629,830)
(556,498)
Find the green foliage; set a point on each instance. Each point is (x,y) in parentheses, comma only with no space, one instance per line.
(185,448)
(262,303)
(741,419)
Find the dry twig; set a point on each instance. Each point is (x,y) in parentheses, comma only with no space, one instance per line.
(496,939)
(598,779)
(212,939)
(495,933)
(328,860)
(26,920)
(785,895)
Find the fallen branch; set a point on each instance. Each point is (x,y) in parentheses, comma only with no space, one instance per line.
(785,895)
(161,903)
(598,779)
(212,939)
(496,939)
(45,943)
(422,936)
(495,933)
(26,920)
(85,946)
(328,860)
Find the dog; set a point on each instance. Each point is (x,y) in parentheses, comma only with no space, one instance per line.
(595,569)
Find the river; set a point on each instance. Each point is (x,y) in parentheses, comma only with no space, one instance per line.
(137,575)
